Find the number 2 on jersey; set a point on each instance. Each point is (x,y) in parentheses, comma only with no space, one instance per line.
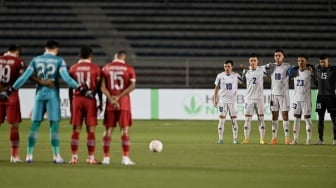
(46,71)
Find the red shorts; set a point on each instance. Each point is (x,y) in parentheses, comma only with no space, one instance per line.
(123,117)
(10,108)
(84,108)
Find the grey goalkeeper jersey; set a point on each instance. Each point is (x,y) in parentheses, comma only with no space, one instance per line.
(326,79)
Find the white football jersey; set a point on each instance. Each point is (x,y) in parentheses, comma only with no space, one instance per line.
(302,86)
(228,87)
(255,83)
(280,79)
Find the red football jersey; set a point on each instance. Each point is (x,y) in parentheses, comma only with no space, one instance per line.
(85,72)
(118,76)
(10,69)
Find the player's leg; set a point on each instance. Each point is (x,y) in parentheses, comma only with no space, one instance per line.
(247,128)
(320,127)
(221,121)
(249,107)
(285,125)
(91,144)
(109,123)
(76,121)
(309,128)
(275,116)
(306,110)
(284,106)
(91,122)
(14,138)
(262,128)
(37,117)
(54,115)
(297,110)
(233,110)
(296,128)
(13,113)
(333,120)
(260,106)
(32,138)
(74,144)
(125,121)
(320,109)
(331,107)
(55,142)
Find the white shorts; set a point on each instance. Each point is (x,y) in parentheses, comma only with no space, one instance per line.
(257,104)
(302,107)
(280,102)
(228,107)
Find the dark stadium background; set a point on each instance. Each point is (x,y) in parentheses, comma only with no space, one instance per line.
(173,43)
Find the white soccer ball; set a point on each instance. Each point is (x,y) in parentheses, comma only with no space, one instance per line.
(155,146)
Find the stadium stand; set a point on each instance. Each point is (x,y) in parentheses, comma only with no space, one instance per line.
(173,43)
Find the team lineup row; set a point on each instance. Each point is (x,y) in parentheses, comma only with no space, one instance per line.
(86,81)
(303,74)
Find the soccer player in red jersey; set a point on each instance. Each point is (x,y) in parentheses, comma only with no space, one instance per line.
(118,80)
(11,68)
(84,106)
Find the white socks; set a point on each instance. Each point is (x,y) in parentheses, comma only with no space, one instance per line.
(275,129)
(235,129)
(221,128)
(262,127)
(247,127)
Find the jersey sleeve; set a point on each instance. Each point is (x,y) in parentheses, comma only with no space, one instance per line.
(240,79)
(292,71)
(25,76)
(217,80)
(66,77)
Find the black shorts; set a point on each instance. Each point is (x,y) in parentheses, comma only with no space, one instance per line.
(326,102)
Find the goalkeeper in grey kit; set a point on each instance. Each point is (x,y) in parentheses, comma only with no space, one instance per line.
(326,97)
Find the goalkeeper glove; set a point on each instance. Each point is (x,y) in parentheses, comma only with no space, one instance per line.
(84,90)
(6,93)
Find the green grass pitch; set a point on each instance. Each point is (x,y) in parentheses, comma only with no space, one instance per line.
(190,158)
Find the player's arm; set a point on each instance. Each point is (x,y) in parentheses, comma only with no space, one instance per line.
(67,78)
(23,78)
(17,84)
(128,90)
(48,83)
(292,71)
(269,68)
(215,95)
(241,80)
(100,95)
(245,68)
(105,91)
(70,93)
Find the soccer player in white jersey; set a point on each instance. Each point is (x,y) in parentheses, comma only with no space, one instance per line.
(254,97)
(279,94)
(225,98)
(301,100)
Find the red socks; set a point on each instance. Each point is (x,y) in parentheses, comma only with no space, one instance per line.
(125,144)
(14,140)
(106,145)
(74,142)
(91,143)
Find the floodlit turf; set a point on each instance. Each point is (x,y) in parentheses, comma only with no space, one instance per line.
(190,158)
